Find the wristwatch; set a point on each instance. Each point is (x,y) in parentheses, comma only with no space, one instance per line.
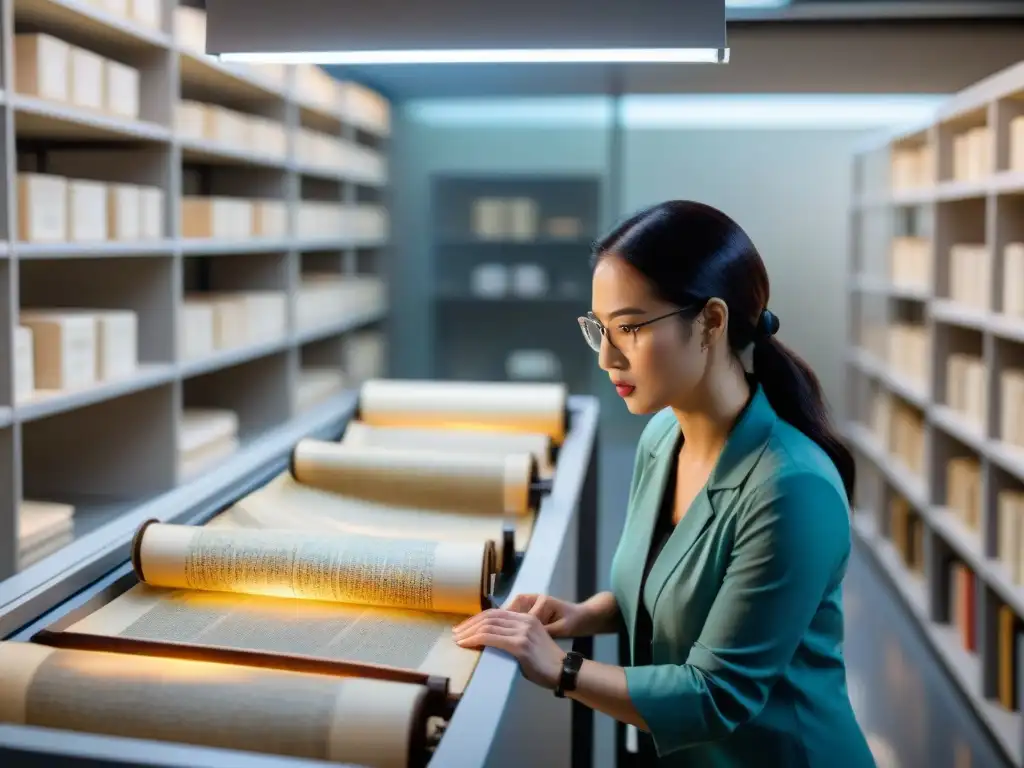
(570,670)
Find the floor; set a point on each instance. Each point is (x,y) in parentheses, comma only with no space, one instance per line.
(911,712)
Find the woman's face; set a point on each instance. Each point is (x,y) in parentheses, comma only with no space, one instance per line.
(653,366)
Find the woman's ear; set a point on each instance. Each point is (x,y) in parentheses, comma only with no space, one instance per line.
(716,321)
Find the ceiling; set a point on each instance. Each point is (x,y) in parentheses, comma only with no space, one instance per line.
(462,80)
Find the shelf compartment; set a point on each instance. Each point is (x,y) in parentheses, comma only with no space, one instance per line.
(87,289)
(966,147)
(911,260)
(104,459)
(234,205)
(1007,392)
(71,69)
(909,348)
(1009,123)
(236,308)
(91,22)
(237,272)
(105,200)
(1003,650)
(256,391)
(912,165)
(958,479)
(1008,258)
(467,348)
(365,112)
(904,526)
(320,99)
(520,208)
(143,285)
(326,262)
(327,150)
(328,299)
(899,429)
(963,259)
(218,130)
(207,437)
(323,190)
(320,373)
(1005,497)
(961,377)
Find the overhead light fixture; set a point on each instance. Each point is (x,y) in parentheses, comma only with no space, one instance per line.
(756,4)
(492,56)
(383,32)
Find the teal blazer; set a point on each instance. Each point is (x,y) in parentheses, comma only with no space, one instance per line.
(745,600)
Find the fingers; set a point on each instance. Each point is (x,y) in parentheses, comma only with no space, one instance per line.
(542,608)
(511,644)
(556,628)
(521,603)
(491,613)
(495,624)
(474,638)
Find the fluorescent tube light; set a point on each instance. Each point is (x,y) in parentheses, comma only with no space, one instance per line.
(510,56)
(756,3)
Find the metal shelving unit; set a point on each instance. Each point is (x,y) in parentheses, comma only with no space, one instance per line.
(511,275)
(932,341)
(112,448)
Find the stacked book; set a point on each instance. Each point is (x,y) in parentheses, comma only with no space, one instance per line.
(205,438)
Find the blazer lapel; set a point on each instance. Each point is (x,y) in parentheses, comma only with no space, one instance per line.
(696,520)
(645,509)
(742,449)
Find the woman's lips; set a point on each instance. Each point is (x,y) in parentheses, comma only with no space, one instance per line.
(624,390)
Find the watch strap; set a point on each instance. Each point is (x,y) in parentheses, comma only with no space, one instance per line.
(570,671)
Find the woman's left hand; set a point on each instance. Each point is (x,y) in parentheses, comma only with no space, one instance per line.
(519,634)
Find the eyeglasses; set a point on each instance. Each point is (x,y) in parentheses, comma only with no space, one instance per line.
(623,336)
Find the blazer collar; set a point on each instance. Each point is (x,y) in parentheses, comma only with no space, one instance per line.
(745,444)
(743,448)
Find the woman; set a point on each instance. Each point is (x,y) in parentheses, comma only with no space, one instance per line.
(728,574)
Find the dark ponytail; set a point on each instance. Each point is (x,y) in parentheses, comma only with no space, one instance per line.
(795,393)
(691,252)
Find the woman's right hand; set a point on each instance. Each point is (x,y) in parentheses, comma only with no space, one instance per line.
(559,618)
